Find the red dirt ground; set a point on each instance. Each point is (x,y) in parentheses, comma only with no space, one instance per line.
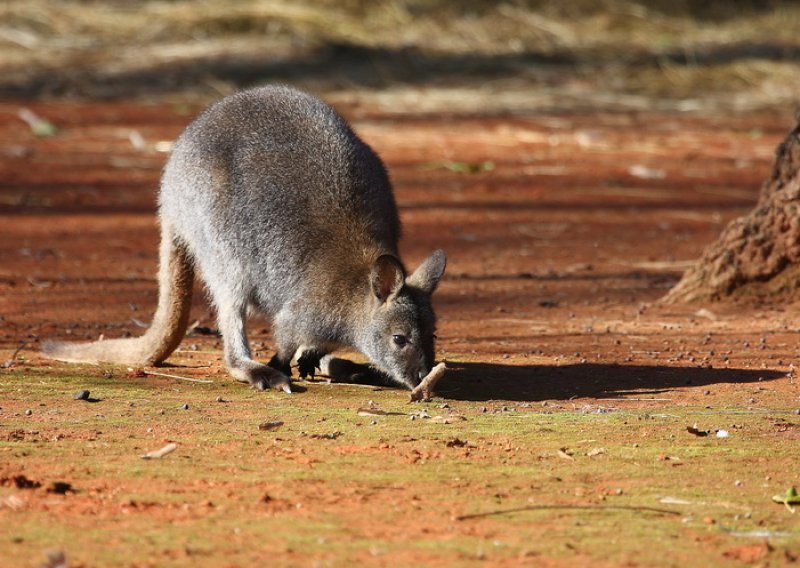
(559,245)
(556,255)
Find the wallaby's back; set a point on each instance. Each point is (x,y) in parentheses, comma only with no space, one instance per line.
(278,183)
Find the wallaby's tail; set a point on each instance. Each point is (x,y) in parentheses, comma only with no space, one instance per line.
(175,279)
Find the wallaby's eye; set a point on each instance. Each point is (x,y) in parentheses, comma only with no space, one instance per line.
(399,340)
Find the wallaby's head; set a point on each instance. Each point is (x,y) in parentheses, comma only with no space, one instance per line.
(399,337)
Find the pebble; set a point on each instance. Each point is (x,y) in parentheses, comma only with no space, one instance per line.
(185,407)
(220,399)
(797,411)
(81,395)
(28,412)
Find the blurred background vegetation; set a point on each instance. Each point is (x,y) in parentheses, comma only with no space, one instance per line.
(421,54)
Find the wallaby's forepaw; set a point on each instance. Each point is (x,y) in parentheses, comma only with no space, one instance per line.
(308,364)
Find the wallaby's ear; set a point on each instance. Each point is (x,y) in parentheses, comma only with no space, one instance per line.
(427,276)
(387,277)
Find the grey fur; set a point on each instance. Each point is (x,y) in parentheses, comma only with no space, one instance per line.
(282,208)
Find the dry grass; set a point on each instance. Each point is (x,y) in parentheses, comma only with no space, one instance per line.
(741,54)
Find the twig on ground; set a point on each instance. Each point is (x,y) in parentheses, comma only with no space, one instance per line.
(424,390)
(638,399)
(642,509)
(13,361)
(178,377)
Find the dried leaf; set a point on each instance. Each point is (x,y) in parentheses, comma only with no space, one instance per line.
(563,453)
(696,431)
(452,418)
(158,454)
(370,411)
(789,498)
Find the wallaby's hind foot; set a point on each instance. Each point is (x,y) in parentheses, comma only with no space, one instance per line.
(262,377)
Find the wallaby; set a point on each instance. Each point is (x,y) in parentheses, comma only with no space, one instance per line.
(284,209)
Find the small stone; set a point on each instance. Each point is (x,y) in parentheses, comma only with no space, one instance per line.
(81,395)
(185,407)
(797,411)
(220,399)
(28,412)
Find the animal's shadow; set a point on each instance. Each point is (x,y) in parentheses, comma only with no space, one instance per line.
(529,383)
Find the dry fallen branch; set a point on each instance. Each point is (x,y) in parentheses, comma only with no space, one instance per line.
(424,390)
(145,372)
(640,509)
(13,361)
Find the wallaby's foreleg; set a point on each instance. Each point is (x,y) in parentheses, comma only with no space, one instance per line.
(238,358)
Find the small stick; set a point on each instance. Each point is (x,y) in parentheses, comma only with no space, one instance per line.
(177,377)
(158,454)
(424,390)
(639,399)
(11,362)
(642,509)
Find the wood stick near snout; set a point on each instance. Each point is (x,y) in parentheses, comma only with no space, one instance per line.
(424,390)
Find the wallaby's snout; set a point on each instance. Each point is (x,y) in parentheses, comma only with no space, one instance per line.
(401,339)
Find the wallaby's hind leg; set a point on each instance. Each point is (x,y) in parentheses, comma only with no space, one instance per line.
(238,358)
